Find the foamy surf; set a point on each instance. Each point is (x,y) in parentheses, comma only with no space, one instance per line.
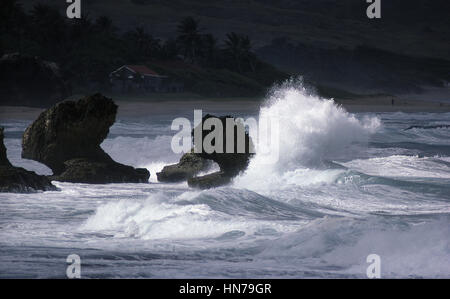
(345,186)
(312,131)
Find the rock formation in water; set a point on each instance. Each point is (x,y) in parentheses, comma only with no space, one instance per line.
(230,163)
(211,180)
(67,139)
(30,81)
(189,166)
(19,180)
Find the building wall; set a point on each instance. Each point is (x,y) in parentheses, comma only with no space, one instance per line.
(147,84)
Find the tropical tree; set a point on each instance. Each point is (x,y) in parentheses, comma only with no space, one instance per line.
(49,29)
(141,38)
(210,50)
(105,25)
(145,45)
(169,49)
(238,48)
(9,11)
(13,26)
(189,38)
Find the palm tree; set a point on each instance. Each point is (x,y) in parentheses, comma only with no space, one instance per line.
(238,47)
(13,24)
(247,54)
(210,48)
(9,9)
(189,38)
(141,38)
(146,45)
(105,24)
(49,28)
(169,50)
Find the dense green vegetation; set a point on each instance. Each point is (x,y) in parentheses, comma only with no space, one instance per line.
(88,49)
(412,27)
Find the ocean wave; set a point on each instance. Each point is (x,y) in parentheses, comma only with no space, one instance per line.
(402,166)
(339,248)
(312,131)
(163,217)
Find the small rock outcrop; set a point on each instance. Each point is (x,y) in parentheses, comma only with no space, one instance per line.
(230,163)
(30,81)
(67,139)
(18,180)
(3,157)
(189,166)
(209,181)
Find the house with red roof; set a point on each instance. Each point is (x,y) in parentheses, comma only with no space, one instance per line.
(140,78)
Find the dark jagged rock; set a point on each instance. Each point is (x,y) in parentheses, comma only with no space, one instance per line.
(19,180)
(93,172)
(70,130)
(231,164)
(208,181)
(30,81)
(67,139)
(189,166)
(3,157)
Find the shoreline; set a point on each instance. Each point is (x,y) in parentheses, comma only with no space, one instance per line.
(392,104)
(142,108)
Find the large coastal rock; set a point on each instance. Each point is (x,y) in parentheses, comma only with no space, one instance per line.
(30,81)
(19,180)
(231,164)
(67,139)
(191,164)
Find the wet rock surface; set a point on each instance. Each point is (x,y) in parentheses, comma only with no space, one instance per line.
(209,181)
(19,180)
(231,163)
(189,166)
(67,139)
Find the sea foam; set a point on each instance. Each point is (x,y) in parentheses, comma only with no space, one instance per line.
(312,130)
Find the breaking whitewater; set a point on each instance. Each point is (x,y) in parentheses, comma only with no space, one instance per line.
(344,186)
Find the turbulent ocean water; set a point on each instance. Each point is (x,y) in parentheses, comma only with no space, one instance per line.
(344,186)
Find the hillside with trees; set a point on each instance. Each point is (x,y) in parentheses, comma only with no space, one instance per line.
(240,48)
(88,49)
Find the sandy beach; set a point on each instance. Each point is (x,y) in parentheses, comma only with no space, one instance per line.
(393,104)
(173,106)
